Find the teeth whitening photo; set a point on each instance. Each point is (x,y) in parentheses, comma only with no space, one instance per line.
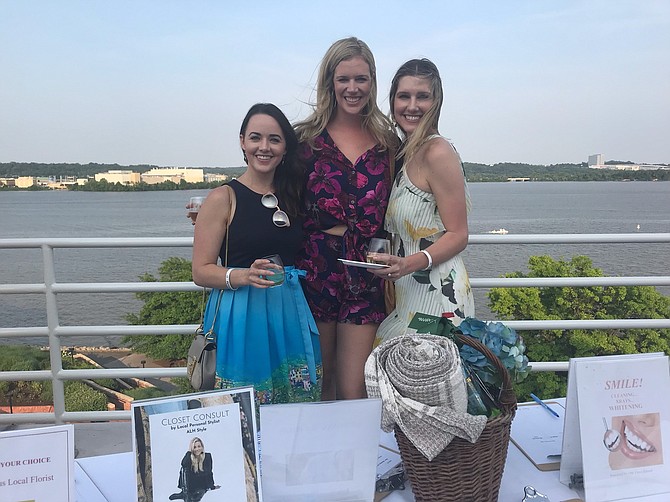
(639,442)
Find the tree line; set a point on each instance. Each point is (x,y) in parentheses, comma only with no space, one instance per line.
(475,172)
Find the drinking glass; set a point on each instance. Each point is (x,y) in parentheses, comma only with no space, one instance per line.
(194,204)
(275,270)
(376,248)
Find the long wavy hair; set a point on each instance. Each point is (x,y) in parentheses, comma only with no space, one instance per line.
(373,120)
(425,69)
(197,461)
(289,175)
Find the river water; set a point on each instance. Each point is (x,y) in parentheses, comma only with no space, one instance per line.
(520,208)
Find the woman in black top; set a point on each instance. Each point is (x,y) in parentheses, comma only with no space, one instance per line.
(196,476)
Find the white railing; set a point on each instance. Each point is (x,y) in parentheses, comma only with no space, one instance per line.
(54,331)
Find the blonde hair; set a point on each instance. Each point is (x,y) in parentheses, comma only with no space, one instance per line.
(424,69)
(372,119)
(197,461)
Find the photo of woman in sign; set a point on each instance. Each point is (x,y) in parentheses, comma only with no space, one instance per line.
(196,476)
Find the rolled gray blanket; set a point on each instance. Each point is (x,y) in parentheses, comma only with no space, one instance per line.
(420,381)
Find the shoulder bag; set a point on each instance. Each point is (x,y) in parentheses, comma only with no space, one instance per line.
(201,359)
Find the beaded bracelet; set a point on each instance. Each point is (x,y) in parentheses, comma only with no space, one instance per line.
(228,284)
(430,260)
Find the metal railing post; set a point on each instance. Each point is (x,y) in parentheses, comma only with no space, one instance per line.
(57,385)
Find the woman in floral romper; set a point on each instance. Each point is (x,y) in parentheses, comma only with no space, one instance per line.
(345,144)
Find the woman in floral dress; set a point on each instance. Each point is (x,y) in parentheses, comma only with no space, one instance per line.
(427,212)
(345,147)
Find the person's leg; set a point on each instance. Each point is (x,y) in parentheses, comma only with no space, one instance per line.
(328,341)
(181,484)
(354,344)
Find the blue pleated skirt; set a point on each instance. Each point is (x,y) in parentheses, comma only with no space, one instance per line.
(267,338)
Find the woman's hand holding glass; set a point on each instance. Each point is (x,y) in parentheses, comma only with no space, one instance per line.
(264,273)
(275,269)
(379,253)
(193,207)
(378,250)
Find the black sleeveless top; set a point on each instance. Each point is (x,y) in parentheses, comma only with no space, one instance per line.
(253,235)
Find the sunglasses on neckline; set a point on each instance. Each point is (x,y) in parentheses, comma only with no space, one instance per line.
(279,218)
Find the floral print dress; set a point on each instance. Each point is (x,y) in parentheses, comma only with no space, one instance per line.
(413,220)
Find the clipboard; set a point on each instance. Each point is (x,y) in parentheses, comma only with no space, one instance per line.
(539,434)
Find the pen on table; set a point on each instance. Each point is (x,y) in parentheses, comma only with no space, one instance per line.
(543,404)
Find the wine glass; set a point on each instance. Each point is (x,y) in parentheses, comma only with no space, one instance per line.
(377,247)
(194,204)
(275,270)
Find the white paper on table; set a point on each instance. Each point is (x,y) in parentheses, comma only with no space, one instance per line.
(86,490)
(320,451)
(539,434)
(387,460)
(37,464)
(113,476)
(388,441)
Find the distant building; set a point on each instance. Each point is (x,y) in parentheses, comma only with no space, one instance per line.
(119,176)
(174,174)
(596,160)
(25,181)
(211,177)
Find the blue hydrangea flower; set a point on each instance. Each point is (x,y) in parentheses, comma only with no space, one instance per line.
(503,341)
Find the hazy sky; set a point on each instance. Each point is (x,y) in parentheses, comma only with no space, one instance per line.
(168,82)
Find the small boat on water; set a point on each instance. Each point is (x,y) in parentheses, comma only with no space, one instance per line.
(500,231)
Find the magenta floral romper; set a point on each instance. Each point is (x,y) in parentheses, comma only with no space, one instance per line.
(339,193)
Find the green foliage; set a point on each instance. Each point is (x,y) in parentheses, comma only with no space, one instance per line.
(81,397)
(24,358)
(611,302)
(166,308)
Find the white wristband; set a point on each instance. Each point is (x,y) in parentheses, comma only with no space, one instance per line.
(228,284)
(430,260)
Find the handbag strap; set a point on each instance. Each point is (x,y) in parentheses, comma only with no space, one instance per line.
(231,213)
(210,332)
